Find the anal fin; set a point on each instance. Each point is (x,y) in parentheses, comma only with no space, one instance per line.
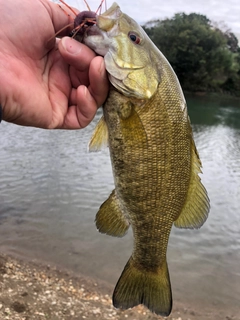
(110,218)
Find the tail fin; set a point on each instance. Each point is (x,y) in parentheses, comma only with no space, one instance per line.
(139,286)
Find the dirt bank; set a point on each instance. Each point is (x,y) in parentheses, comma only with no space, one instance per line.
(30,291)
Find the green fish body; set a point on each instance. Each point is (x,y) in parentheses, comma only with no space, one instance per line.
(154,159)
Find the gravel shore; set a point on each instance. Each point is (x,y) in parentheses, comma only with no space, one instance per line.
(29,291)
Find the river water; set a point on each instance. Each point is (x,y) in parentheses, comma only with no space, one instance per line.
(51,189)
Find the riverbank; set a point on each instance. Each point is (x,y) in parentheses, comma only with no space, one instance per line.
(225,97)
(29,291)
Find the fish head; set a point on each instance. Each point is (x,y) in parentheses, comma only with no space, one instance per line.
(127,51)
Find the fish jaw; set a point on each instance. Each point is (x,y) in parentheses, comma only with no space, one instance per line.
(98,37)
(131,67)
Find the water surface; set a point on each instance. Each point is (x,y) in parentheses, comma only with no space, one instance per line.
(51,189)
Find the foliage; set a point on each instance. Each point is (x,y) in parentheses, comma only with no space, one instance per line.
(204,57)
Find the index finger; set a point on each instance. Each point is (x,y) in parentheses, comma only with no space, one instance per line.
(79,57)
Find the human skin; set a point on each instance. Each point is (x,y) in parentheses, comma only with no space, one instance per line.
(46,82)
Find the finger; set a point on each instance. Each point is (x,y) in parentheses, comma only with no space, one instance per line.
(79,57)
(75,53)
(86,106)
(81,114)
(99,84)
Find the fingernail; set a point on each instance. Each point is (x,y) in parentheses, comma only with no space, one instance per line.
(86,93)
(102,70)
(71,45)
(0,113)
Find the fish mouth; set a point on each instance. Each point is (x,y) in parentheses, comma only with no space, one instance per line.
(96,39)
(93,31)
(85,25)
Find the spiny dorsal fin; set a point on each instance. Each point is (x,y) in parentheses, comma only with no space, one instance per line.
(110,219)
(195,210)
(99,138)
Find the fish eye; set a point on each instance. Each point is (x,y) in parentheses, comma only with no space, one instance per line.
(134,37)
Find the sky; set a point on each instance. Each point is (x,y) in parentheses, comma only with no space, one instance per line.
(225,12)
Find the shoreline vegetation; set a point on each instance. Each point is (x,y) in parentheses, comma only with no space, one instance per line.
(205,55)
(31,291)
(226,97)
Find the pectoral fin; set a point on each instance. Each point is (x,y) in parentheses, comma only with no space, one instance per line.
(100,137)
(132,127)
(110,219)
(196,207)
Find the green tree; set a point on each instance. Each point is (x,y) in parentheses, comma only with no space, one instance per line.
(201,55)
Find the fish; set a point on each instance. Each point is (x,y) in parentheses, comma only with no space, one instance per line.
(154,159)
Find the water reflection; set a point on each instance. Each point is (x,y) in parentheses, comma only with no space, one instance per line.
(51,188)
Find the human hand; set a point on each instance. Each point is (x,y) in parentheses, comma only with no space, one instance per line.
(43,82)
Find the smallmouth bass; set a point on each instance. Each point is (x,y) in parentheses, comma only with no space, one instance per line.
(154,159)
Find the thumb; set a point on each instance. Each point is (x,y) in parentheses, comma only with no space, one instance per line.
(75,53)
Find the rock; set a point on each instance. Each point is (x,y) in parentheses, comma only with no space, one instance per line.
(18,306)
(24,294)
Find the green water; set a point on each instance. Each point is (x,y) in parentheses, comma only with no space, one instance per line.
(51,188)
